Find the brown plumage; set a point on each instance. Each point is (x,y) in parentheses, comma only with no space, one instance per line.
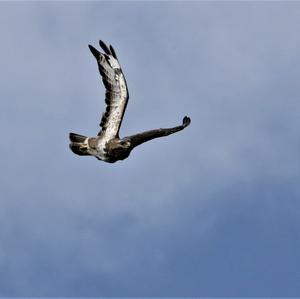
(107,145)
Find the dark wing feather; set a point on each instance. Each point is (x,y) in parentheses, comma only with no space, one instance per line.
(116,95)
(112,50)
(104,47)
(140,138)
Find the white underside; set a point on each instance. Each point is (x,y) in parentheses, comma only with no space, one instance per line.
(117,108)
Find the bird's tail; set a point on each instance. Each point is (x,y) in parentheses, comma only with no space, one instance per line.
(77,138)
(78,144)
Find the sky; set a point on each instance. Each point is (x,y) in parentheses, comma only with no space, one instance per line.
(213,210)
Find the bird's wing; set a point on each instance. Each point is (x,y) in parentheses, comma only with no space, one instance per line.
(116,96)
(140,138)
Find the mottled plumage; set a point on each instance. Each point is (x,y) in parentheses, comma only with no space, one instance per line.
(107,145)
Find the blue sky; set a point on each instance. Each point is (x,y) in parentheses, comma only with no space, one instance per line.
(211,211)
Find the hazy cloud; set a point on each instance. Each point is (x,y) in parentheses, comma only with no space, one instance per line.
(212,211)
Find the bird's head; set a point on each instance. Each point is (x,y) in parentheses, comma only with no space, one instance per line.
(124,143)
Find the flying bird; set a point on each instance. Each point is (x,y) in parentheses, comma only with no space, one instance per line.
(107,145)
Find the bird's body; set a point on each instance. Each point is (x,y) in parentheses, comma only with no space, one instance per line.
(107,146)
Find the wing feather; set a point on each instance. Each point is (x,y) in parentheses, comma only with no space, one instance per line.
(116,95)
(104,47)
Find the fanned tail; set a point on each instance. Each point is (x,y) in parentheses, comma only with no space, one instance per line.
(78,145)
(76,137)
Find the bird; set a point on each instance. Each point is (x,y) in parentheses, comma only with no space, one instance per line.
(107,146)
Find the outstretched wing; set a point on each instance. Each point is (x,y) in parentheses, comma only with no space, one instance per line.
(140,138)
(116,96)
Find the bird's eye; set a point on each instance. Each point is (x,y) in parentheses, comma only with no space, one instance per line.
(125,143)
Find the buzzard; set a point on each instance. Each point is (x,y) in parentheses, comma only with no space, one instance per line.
(107,145)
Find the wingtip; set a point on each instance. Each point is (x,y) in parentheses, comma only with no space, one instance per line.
(102,43)
(113,52)
(186,121)
(94,51)
(104,47)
